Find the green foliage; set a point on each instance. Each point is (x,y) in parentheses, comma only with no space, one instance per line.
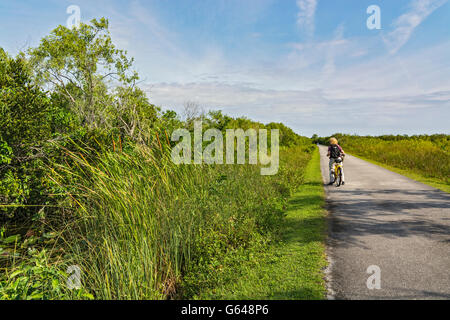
(151,222)
(23,106)
(93,79)
(240,234)
(38,279)
(216,119)
(288,137)
(286,269)
(132,114)
(78,63)
(23,128)
(5,153)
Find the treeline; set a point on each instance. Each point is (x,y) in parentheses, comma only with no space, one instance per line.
(425,155)
(442,140)
(86,179)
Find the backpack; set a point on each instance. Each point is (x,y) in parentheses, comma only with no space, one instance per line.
(335,152)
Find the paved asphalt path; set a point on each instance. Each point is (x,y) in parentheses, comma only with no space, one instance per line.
(384,219)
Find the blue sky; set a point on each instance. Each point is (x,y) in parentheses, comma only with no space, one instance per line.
(312,64)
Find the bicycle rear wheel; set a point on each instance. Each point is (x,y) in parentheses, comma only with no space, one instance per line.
(338,177)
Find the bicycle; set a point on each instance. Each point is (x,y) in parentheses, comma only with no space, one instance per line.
(337,171)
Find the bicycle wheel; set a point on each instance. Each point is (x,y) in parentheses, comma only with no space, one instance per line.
(338,180)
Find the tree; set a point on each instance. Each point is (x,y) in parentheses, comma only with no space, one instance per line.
(24,127)
(133,115)
(192,111)
(23,106)
(287,136)
(81,64)
(218,120)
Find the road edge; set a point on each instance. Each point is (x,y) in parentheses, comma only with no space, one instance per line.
(330,293)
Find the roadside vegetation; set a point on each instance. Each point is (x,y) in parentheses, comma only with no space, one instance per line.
(425,158)
(86,180)
(291,268)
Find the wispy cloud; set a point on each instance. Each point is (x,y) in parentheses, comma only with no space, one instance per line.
(408,22)
(329,67)
(371,96)
(143,16)
(308,111)
(306,14)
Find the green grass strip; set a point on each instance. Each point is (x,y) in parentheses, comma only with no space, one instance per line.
(292,268)
(433,182)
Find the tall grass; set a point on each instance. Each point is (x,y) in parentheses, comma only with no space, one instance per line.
(143,223)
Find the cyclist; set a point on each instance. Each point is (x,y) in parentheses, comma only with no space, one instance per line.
(334,152)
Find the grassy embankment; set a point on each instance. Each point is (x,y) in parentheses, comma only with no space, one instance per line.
(145,228)
(293,267)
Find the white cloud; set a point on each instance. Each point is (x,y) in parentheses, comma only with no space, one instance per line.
(147,19)
(235,96)
(305,17)
(329,67)
(314,111)
(408,22)
(369,97)
(306,87)
(419,72)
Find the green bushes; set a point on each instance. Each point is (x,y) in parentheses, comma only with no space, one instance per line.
(145,224)
(38,278)
(23,109)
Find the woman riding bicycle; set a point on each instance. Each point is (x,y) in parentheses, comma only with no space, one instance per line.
(335,152)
